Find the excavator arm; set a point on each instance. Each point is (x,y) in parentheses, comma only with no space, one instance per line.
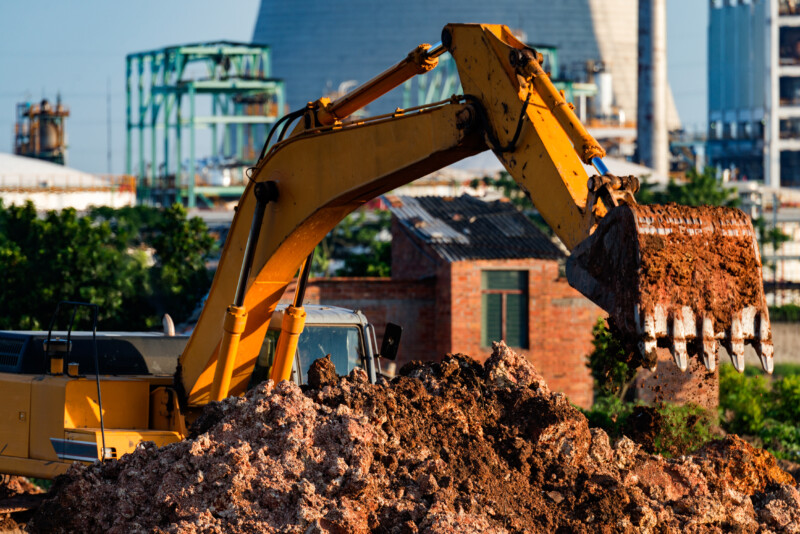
(330,165)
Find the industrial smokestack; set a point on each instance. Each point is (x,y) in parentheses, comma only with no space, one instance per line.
(653,137)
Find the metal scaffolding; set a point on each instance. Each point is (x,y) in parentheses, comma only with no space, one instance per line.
(231,81)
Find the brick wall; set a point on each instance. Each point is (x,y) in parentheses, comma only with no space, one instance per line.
(410,261)
(560,322)
(441,311)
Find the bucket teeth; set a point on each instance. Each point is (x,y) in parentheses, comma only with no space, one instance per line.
(735,344)
(763,343)
(709,344)
(679,330)
(672,275)
(646,327)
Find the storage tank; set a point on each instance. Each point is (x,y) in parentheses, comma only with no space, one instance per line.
(605,94)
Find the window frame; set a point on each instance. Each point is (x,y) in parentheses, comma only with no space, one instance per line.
(524,291)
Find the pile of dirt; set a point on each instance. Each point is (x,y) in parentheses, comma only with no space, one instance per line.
(11,486)
(447,447)
(17,496)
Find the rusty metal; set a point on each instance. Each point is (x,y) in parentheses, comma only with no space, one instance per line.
(680,277)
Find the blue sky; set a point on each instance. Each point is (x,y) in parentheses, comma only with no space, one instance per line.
(78,48)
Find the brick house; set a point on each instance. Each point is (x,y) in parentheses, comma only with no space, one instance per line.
(466,272)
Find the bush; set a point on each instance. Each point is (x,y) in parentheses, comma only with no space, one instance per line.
(666,429)
(788,313)
(608,363)
(741,400)
(684,429)
(766,411)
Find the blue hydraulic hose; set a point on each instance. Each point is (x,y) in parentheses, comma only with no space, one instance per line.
(600,166)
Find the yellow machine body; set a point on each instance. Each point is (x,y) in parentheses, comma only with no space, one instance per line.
(328,166)
(50,421)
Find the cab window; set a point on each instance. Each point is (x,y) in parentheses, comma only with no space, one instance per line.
(343,343)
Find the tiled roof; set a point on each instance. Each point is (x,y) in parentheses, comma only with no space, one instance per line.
(468,228)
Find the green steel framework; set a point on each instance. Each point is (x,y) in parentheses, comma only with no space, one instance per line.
(235,75)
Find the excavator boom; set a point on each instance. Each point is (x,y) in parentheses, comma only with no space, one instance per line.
(687,278)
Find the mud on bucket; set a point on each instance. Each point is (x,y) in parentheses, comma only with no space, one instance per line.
(686,278)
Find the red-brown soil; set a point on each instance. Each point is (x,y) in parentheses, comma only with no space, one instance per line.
(702,257)
(446,447)
(16,491)
(697,265)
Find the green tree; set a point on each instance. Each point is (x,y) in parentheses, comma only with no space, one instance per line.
(357,242)
(175,247)
(60,256)
(134,263)
(699,189)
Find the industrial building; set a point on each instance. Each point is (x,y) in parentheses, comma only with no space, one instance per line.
(354,40)
(40,131)
(754,90)
(222,91)
(54,187)
(464,273)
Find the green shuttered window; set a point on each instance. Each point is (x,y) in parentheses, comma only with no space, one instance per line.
(504,308)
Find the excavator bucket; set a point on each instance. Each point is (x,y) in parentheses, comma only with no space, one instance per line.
(686,278)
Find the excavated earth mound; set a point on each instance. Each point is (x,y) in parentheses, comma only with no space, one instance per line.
(443,448)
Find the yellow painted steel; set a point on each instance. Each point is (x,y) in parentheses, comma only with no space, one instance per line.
(47,415)
(544,163)
(417,62)
(321,178)
(233,327)
(125,403)
(56,364)
(294,319)
(324,174)
(122,441)
(165,411)
(28,467)
(15,417)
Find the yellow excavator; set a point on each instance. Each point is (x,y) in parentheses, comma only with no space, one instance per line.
(684,278)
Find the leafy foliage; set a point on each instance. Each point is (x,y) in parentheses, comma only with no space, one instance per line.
(788,313)
(698,189)
(612,376)
(667,429)
(768,412)
(357,242)
(684,428)
(134,263)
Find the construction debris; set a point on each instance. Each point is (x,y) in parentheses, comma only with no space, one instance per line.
(446,447)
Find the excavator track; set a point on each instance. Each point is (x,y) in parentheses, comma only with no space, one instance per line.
(686,278)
